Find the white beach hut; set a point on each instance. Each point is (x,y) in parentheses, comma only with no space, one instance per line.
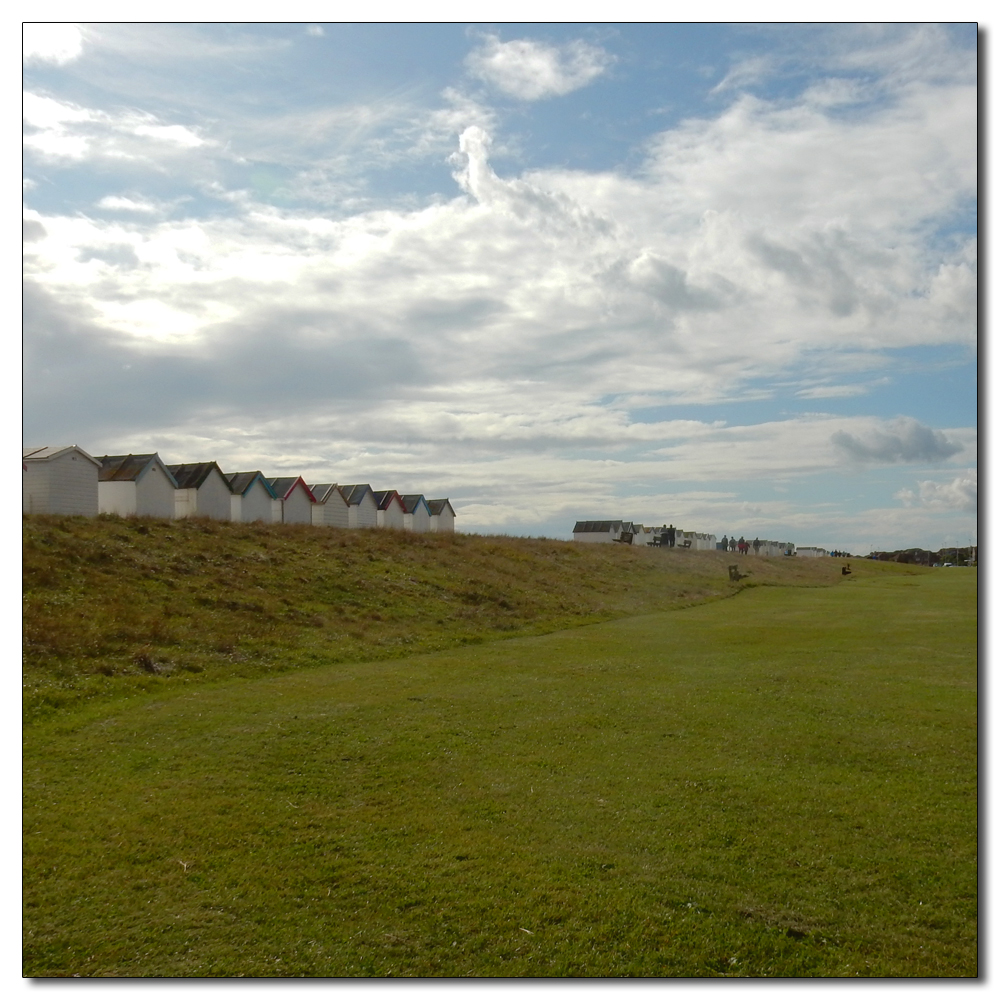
(598,531)
(442,515)
(362,511)
(59,480)
(294,500)
(416,513)
(252,498)
(138,485)
(202,491)
(330,509)
(390,512)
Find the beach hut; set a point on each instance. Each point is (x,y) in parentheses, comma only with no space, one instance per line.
(330,509)
(294,500)
(442,515)
(598,531)
(59,480)
(416,513)
(641,535)
(362,511)
(202,491)
(390,513)
(138,485)
(252,498)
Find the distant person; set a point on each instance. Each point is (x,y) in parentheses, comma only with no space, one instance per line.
(732,544)
(725,543)
(756,546)
(671,536)
(743,546)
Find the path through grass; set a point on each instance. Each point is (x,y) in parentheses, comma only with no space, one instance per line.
(779,784)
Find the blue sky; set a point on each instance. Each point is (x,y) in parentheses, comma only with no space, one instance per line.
(720,276)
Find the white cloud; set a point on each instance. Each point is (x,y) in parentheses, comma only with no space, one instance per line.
(599,281)
(492,344)
(60,130)
(746,73)
(315,31)
(832,391)
(960,494)
(119,203)
(51,42)
(531,70)
(177,135)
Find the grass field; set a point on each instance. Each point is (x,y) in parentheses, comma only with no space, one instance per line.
(779,784)
(114,606)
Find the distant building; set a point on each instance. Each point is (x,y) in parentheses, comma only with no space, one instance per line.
(330,509)
(416,513)
(390,511)
(138,485)
(771,548)
(602,531)
(810,551)
(362,511)
(202,491)
(698,540)
(59,480)
(294,500)
(642,535)
(442,515)
(251,498)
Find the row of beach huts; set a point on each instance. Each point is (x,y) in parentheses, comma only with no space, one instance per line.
(68,480)
(667,536)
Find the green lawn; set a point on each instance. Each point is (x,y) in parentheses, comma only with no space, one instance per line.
(779,784)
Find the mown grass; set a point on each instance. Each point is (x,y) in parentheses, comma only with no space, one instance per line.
(783,784)
(113,606)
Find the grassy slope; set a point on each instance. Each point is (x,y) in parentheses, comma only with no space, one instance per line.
(784,784)
(109,600)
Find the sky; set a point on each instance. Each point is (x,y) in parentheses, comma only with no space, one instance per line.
(720,276)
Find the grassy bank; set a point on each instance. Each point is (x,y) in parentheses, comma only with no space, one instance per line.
(113,606)
(777,785)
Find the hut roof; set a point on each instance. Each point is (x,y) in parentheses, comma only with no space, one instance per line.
(354,494)
(598,526)
(284,485)
(323,491)
(241,482)
(129,468)
(413,500)
(193,475)
(383,498)
(53,451)
(438,506)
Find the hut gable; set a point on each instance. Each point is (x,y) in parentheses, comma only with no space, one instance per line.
(138,485)
(330,509)
(442,515)
(59,480)
(362,510)
(251,497)
(390,511)
(417,515)
(202,491)
(295,500)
